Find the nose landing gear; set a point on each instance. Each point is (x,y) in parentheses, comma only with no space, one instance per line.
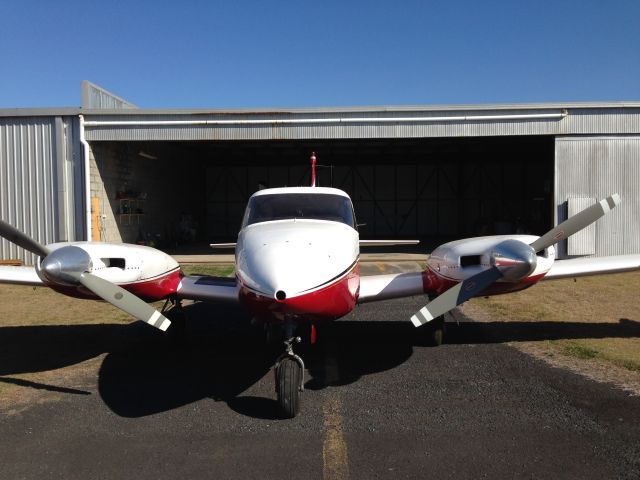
(289,373)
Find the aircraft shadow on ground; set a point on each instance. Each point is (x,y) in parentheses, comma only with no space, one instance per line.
(221,355)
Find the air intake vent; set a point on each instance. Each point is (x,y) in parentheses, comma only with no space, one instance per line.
(114,262)
(469,260)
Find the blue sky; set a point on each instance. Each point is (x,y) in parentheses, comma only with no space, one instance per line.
(235,54)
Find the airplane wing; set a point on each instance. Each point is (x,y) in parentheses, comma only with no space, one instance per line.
(387,243)
(397,285)
(394,285)
(363,243)
(20,276)
(223,245)
(208,289)
(580,267)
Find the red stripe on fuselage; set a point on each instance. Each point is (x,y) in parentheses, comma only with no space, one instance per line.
(434,283)
(158,288)
(329,302)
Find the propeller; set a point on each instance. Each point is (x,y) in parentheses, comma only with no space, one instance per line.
(576,223)
(14,235)
(511,260)
(70,266)
(455,296)
(126,301)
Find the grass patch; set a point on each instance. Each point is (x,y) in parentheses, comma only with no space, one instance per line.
(607,302)
(214,270)
(578,350)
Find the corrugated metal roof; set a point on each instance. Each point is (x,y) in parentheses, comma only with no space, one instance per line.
(21,112)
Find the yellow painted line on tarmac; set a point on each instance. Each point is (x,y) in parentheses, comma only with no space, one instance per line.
(334,447)
(381,266)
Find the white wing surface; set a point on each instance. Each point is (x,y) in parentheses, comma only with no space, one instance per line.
(20,276)
(580,267)
(208,289)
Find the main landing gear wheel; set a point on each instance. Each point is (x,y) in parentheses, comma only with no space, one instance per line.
(289,372)
(178,318)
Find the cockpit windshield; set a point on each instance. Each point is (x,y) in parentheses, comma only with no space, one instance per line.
(316,206)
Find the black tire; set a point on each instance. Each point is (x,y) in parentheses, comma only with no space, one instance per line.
(288,379)
(178,328)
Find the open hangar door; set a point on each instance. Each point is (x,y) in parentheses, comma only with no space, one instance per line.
(150,193)
(430,189)
(192,193)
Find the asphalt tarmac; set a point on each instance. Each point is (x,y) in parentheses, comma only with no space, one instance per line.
(378,404)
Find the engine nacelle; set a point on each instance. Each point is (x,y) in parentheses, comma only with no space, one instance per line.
(148,273)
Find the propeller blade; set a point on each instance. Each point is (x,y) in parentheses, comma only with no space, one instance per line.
(455,296)
(576,223)
(14,235)
(124,300)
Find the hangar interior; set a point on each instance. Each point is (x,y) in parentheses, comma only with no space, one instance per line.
(190,193)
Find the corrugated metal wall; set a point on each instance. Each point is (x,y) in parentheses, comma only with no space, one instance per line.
(582,121)
(94,96)
(39,172)
(597,167)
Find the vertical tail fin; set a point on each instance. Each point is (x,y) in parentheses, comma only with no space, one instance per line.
(313,169)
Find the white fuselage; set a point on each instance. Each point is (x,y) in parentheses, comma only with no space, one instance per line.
(294,256)
(300,264)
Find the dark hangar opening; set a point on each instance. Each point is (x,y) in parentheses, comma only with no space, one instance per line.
(434,190)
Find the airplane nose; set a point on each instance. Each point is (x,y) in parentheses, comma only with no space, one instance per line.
(281,270)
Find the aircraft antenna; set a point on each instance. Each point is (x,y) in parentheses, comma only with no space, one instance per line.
(313,169)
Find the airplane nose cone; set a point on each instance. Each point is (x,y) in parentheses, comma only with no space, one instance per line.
(284,269)
(65,265)
(514,259)
(282,260)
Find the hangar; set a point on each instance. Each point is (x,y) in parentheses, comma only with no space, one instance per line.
(110,171)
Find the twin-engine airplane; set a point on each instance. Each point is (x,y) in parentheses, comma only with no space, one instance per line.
(297,266)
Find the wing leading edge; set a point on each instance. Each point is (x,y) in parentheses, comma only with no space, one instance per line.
(20,276)
(580,267)
(208,289)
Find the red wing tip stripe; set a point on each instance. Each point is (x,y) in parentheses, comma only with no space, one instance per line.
(422,317)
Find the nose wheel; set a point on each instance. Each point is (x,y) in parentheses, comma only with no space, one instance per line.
(289,373)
